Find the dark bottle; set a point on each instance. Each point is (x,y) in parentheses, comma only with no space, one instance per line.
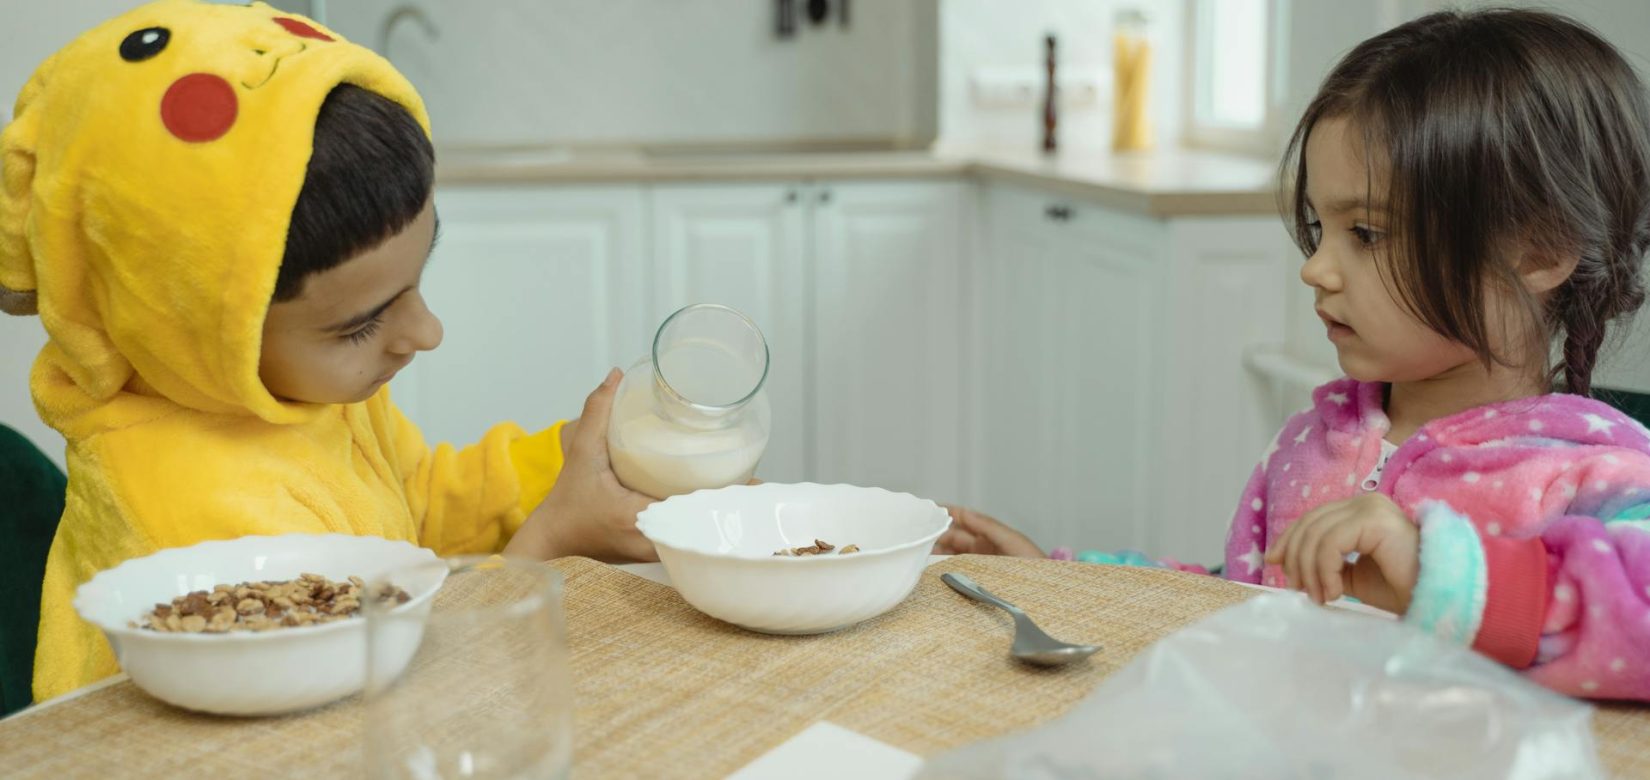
(1050,119)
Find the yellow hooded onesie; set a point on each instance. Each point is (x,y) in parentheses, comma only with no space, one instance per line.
(149,177)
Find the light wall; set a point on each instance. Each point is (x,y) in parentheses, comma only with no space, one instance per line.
(993,36)
(657,72)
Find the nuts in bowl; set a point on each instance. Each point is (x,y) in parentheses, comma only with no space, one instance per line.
(305,655)
(310,600)
(794,559)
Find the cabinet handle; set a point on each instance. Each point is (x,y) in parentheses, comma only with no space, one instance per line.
(1058,213)
(790,196)
(824,196)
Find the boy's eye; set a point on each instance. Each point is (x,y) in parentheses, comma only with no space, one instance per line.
(1366,236)
(365,332)
(1315,230)
(144,44)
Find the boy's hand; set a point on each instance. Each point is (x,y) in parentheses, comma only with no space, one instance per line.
(587,512)
(974,533)
(1313,552)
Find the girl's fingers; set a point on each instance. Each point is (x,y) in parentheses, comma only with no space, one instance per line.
(1333,569)
(1312,564)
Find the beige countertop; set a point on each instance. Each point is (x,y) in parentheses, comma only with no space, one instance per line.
(1158,184)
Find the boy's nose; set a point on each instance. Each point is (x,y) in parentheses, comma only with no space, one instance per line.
(421,331)
(426,331)
(429,332)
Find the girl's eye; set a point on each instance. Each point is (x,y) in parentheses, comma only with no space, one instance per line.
(1315,229)
(1366,236)
(365,332)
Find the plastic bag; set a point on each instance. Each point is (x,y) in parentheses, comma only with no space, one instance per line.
(1278,687)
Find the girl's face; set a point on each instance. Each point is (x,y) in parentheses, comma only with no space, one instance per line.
(1376,337)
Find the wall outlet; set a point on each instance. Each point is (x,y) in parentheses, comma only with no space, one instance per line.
(1023,87)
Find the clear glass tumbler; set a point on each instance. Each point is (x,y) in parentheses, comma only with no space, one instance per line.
(488,692)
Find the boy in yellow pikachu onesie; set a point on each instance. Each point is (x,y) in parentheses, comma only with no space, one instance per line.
(221,214)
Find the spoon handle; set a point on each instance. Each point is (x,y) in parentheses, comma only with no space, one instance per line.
(968,587)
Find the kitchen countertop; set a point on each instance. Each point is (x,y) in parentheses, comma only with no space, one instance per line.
(1156,184)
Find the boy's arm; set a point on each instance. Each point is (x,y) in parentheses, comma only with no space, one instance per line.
(472,500)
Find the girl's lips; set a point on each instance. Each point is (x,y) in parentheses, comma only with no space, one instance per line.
(1337,329)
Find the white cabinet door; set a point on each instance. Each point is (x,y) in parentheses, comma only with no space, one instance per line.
(1071,400)
(1231,282)
(541,292)
(1011,480)
(887,323)
(742,245)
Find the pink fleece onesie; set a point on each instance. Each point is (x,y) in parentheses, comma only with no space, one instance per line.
(1535,542)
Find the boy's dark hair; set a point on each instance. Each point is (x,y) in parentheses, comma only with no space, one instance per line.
(370,175)
(1500,129)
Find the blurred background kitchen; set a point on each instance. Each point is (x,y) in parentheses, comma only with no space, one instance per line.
(1094,342)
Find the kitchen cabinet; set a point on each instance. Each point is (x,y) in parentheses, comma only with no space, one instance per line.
(1115,411)
(1069,371)
(855,284)
(541,290)
(743,245)
(889,261)
(1075,369)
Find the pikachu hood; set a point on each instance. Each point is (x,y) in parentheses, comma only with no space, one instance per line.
(149,177)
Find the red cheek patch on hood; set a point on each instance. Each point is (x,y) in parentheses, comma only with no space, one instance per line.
(199,107)
(302,30)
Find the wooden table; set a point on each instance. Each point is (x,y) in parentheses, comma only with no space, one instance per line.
(663,691)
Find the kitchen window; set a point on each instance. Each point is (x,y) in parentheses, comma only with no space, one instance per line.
(1235,68)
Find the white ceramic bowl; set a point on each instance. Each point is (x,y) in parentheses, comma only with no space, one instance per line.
(718,546)
(244,672)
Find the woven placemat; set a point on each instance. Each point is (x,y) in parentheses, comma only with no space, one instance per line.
(663,691)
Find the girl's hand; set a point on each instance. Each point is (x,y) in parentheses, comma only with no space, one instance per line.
(978,534)
(587,512)
(1313,552)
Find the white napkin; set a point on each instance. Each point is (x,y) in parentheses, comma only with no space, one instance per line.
(825,751)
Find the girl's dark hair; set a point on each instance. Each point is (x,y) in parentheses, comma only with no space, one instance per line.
(369,176)
(1499,129)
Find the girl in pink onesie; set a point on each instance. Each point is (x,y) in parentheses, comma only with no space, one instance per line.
(1472,192)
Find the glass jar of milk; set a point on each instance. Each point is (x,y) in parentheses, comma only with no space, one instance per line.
(694,414)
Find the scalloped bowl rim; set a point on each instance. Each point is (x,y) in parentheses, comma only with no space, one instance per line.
(643,521)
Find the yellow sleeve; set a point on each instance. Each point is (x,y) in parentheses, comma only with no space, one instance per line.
(70,652)
(537,460)
(472,500)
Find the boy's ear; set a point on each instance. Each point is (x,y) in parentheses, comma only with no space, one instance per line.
(18,280)
(1542,272)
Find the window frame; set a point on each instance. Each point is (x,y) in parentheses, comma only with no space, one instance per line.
(1264,139)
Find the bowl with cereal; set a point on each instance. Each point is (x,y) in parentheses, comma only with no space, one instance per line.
(259,625)
(794,559)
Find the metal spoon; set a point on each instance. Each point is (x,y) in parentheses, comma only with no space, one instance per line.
(1031,645)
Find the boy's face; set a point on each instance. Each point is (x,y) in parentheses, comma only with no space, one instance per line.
(354,325)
